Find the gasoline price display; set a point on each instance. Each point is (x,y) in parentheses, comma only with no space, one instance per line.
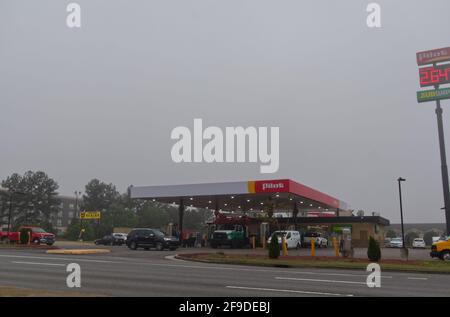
(434,75)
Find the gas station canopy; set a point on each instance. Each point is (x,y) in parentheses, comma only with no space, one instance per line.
(241,196)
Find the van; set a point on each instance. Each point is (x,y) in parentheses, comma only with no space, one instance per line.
(293,238)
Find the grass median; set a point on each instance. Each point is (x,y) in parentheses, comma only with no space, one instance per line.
(431,266)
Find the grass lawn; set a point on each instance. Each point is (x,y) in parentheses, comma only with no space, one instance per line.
(431,266)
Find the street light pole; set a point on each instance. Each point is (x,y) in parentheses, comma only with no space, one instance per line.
(444,171)
(400,180)
(10,211)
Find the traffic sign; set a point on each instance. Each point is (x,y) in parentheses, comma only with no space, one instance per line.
(90,215)
(433,56)
(434,75)
(432,95)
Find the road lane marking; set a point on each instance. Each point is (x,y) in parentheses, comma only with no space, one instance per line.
(38,263)
(287,291)
(335,274)
(317,280)
(418,278)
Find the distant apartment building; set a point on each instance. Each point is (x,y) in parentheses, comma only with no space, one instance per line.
(68,210)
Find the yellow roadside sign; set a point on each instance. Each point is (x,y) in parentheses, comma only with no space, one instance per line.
(90,215)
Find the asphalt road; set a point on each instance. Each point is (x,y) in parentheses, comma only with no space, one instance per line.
(153,273)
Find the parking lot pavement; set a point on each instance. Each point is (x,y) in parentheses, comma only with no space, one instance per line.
(387,253)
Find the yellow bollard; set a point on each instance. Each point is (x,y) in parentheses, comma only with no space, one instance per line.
(284,247)
(29,237)
(312,246)
(264,242)
(253,242)
(335,246)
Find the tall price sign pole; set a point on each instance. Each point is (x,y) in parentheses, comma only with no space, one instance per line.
(436,75)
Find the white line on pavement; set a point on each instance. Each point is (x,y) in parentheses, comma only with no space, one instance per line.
(418,278)
(334,274)
(286,291)
(38,263)
(316,280)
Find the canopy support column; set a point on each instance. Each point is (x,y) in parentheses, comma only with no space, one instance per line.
(180,218)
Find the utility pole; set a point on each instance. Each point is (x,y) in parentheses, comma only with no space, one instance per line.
(400,180)
(444,170)
(436,75)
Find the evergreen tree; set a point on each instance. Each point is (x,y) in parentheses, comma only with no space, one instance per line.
(374,251)
(274,247)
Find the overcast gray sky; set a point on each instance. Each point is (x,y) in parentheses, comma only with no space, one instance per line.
(101,101)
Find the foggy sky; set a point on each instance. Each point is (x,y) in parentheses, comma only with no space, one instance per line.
(101,101)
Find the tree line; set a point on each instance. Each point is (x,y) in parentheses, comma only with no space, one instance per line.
(36,202)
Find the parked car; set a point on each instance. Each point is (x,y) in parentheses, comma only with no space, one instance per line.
(122,236)
(418,243)
(151,238)
(396,243)
(436,239)
(293,238)
(38,235)
(319,240)
(109,240)
(387,241)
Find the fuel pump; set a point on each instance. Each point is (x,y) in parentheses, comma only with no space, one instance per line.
(345,245)
(264,233)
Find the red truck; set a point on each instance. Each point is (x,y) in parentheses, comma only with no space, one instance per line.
(38,235)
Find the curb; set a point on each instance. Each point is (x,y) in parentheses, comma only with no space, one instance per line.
(192,259)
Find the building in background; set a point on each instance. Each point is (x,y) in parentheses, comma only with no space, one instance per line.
(68,211)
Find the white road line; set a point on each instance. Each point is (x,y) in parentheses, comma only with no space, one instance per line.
(335,274)
(317,280)
(38,263)
(286,291)
(418,278)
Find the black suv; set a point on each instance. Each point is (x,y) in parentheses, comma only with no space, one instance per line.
(151,238)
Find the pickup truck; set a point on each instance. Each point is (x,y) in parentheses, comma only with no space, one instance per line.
(319,241)
(441,249)
(38,235)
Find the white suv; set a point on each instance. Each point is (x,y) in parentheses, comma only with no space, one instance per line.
(319,241)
